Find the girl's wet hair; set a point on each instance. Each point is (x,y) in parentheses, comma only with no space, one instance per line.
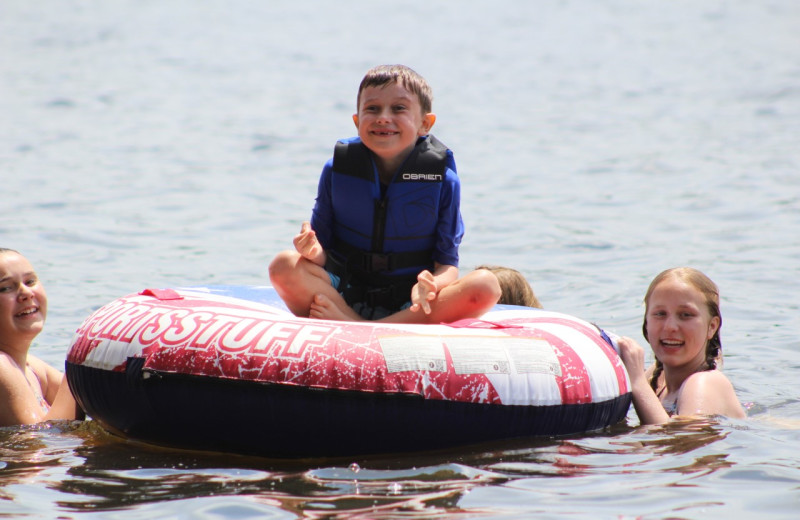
(515,289)
(408,78)
(709,289)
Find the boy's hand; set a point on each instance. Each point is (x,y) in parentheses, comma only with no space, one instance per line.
(423,292)
(308,246)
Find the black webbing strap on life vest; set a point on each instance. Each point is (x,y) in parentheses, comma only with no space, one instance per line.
(367,262)
(374,289)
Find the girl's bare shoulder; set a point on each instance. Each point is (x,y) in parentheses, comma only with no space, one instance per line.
(709,393)
(706,380)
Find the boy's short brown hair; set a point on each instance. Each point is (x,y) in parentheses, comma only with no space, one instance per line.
(405,76)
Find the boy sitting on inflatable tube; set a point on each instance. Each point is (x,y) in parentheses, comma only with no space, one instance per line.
(384,234)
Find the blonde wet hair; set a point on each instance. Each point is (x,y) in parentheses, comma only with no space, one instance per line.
(515,289)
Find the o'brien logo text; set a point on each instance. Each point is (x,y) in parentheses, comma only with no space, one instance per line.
(431,177)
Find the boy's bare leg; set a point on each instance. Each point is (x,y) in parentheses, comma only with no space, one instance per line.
(324,308)
(468,297)
(297,280)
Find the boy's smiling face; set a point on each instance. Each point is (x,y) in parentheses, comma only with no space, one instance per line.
(389,121)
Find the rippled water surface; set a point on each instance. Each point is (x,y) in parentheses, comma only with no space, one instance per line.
(154,144)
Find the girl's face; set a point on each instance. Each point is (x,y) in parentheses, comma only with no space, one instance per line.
(679,324)
(23,301)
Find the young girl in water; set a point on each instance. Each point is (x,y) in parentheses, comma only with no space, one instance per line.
(682,323)
(31,391)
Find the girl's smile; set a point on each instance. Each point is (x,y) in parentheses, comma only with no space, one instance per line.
(679,323)
(23,301)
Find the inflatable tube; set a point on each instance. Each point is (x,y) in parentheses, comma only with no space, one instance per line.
(230,369)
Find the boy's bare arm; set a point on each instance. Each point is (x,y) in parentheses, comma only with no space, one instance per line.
(429,284)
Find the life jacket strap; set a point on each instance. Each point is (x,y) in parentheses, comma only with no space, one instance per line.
(372,288)
(381,262)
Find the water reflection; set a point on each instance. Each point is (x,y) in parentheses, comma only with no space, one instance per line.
(621,450)
(27,451)
(123,474)
(683,435)
(114,475)
(417,492)
(95,471)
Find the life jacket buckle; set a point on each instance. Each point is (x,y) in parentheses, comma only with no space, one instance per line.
(376,262)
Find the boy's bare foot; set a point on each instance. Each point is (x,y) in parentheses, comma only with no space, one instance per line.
(323,308)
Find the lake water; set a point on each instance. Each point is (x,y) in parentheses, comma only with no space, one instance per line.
(172,143)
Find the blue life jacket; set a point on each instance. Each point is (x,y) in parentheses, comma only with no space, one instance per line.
(384,240)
